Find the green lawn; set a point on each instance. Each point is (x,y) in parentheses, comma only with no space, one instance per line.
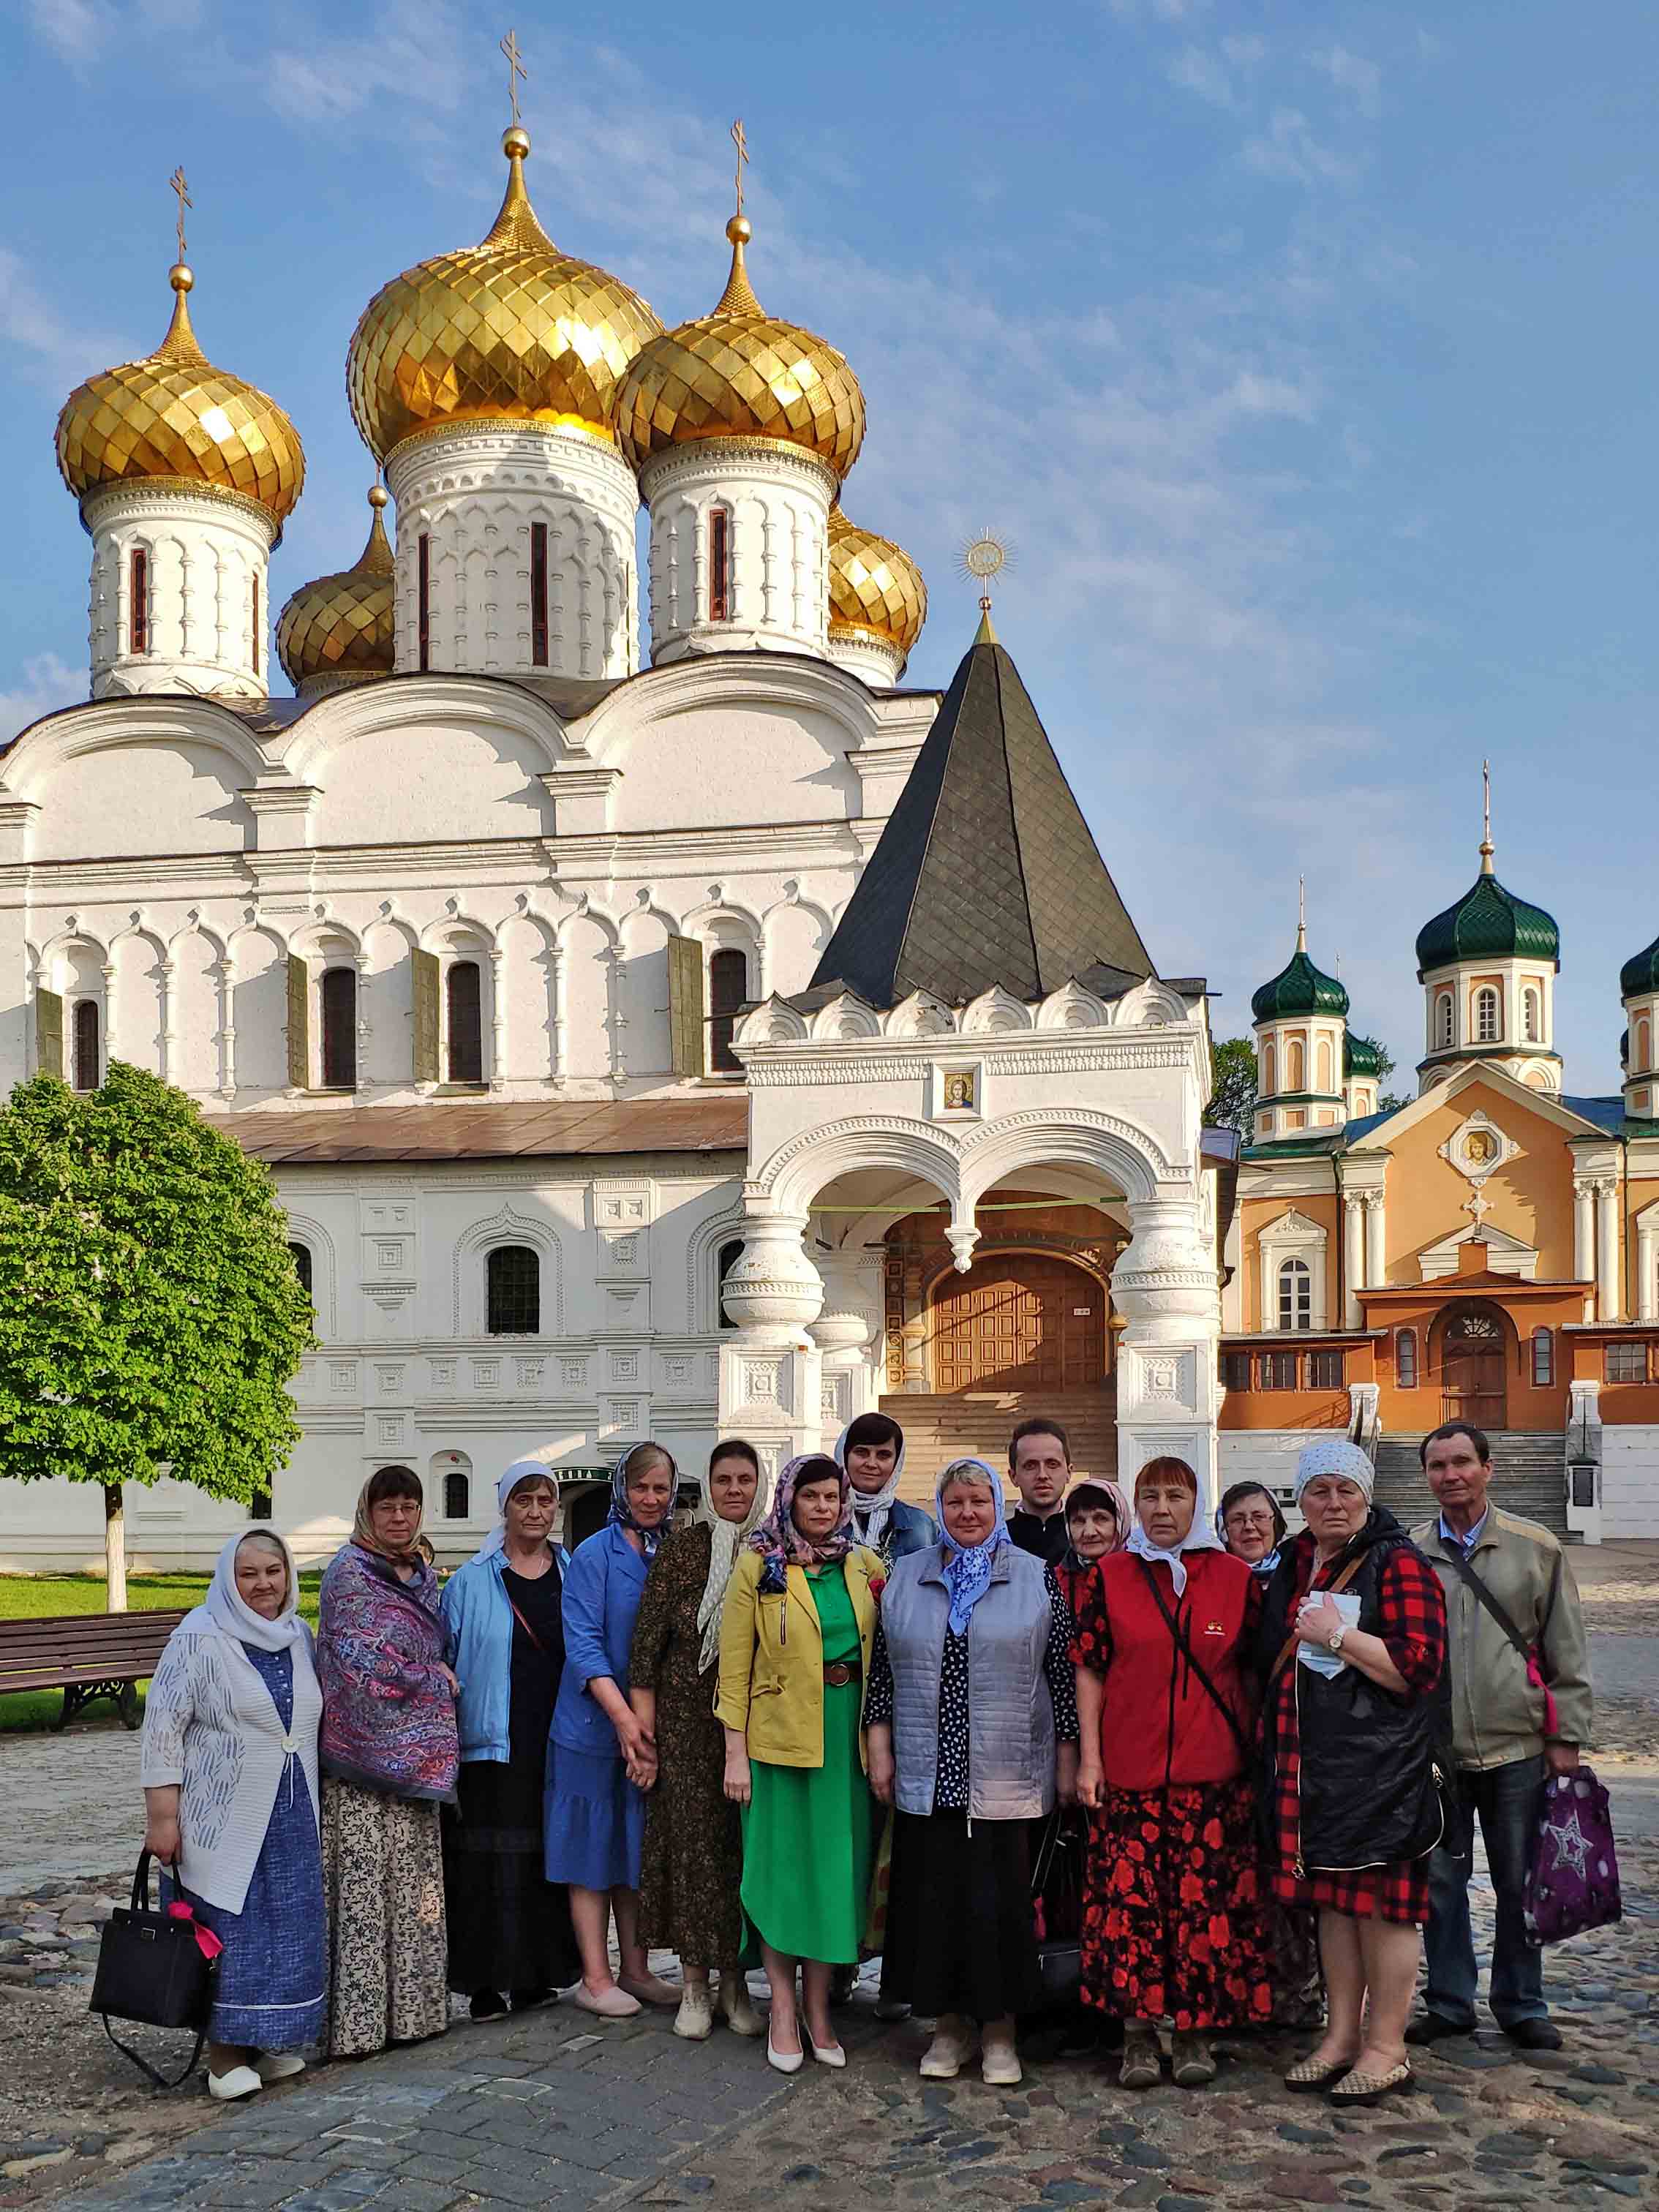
(34,1597)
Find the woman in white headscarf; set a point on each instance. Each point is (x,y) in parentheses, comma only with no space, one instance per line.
(509,1927)
(692,1868)
(229,1769)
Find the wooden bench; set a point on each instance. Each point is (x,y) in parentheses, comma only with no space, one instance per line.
(86,1656)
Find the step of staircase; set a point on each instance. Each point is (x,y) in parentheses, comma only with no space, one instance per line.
(939,1428)
(1530,1477)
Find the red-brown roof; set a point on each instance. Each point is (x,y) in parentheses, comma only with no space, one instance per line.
(444,1131)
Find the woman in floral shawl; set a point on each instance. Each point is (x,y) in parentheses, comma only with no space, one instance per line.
(796,1639)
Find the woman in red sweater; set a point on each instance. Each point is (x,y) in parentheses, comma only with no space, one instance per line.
(1173,1921)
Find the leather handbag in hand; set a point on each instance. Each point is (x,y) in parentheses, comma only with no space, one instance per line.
(155,1968)
(1057,1907)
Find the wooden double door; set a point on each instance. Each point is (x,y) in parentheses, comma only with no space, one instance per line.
(1474,1368)
(1022,1323)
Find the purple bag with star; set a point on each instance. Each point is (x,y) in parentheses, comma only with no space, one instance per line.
(1572,1870)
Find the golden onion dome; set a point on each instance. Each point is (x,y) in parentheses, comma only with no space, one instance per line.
(510,330)
(175,418)
(876,590)
(740,373)
(342,625)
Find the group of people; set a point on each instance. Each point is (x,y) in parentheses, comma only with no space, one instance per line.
(816,1724)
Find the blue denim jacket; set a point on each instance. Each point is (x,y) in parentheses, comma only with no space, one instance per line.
(480,1624)
(603,1586)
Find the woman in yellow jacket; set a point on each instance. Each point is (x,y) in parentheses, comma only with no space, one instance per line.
(795,1641)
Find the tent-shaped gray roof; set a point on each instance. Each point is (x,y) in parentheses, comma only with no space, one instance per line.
(986,872)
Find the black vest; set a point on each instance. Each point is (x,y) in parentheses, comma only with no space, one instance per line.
(1369,1785)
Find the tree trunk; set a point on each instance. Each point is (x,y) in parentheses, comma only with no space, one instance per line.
(115,1548)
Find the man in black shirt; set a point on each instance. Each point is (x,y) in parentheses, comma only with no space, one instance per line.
(1039,1460)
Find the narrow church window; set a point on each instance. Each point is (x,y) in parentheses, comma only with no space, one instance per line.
(86,1045)
(538,594)
(255,581)
(1405,1359)
(1644,1045)
(1543,1359)
(300,1255)
(464,1008)
(458,1496)
(513,1283)
(424,599)
(1295,1294)
(728,986)
(1269,1069)
(1443,1021)
(339,1004)
(1486,1027)
(720,565)
(1295,1066)
(1529,1016)
(1325,1064)
(138,598)
(725,1260)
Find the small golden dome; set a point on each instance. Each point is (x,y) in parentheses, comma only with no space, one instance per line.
(342,625)
(875,589)
(740,373)
(509,330)
(173,417)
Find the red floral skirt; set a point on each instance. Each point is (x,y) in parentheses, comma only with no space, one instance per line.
(1174,1922)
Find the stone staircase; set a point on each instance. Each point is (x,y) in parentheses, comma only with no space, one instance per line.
(1528,1477)
(940,1428)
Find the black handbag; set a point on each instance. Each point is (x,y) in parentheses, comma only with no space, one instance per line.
(1057,1907)
(151,1969)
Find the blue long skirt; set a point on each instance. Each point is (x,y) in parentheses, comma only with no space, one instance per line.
(594,1822)
(271,1985)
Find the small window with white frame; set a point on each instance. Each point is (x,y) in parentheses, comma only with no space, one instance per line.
(1531,1018)
(1488,1017)
(1295,1294)
(1443,1021)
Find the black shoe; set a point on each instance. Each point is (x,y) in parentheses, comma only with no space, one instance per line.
(1435,2028)
(842,1983)
(1535,2034)
(487,2003)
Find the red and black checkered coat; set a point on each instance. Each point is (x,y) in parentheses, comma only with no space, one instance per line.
(1411,1623)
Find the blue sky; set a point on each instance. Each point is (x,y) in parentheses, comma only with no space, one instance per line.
(1304,351)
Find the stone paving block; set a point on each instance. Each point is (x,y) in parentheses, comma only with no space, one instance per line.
(414,2196)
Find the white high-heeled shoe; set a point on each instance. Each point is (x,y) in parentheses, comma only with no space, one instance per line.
(783,2062)
(827,2054)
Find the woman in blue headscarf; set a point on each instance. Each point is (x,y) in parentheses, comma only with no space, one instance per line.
(509,1927)
(600,1758)
(972,1718)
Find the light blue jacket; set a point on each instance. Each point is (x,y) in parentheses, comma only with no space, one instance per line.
(603,1586)
(480,1624)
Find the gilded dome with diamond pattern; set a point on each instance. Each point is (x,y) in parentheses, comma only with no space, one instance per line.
(740,373)
(343,625)
(175,418)
(510,330)
(875,589)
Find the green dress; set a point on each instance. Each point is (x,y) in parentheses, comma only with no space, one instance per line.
(807,1831)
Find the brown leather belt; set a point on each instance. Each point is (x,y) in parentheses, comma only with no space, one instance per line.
(838,1677)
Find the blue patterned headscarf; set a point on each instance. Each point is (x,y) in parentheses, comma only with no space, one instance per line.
(967,1566)
(621,1514)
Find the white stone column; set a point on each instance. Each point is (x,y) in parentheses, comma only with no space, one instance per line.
(1607,1248)
(843,1333)
(1165,1287)
(771,1371)
(1376,1263)
(1583,1230)
(1353,1261)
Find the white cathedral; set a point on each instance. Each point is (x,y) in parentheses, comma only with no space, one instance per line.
(719,1037)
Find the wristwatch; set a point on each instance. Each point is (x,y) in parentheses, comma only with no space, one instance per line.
(1333,1642)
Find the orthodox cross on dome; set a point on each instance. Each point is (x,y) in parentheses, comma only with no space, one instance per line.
(1486,846)
(515,70)
(741,140)
(1302,914)
(177,182)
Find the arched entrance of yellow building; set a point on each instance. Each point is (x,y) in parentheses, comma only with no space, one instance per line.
(1017,1320)
(1476,1343)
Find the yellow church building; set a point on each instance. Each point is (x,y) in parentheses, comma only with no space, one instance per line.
(1489,1251)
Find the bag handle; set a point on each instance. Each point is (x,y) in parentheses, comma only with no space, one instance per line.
(141,1882)
(144,2064)
(1329,1590)
(1181,1644)
(1531,1655)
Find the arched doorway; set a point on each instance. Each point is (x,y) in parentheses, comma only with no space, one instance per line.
(1019,1321)
(1474,1343)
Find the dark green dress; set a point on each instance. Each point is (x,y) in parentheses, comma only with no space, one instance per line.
(807,1830)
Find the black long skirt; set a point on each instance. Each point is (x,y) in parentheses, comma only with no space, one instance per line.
(960,1936)
(509,1927)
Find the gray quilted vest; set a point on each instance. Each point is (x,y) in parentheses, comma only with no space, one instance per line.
(1011,1716)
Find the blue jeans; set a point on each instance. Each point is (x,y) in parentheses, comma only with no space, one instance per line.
(1507,1800)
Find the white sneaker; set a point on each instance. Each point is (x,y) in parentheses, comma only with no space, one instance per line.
(278,2065)
(946,2056)
(999,2065)
(241,2082)
(696,2018)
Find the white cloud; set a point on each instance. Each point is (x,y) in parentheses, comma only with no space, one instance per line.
(50,353)
(45,684)
(1195,70)
(1289,154)
(1352,73)
(77,31)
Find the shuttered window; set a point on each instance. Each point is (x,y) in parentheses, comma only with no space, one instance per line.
(728,986)
(465,1013)
(338,994)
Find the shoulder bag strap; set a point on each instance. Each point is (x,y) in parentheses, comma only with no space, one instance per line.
(1330,1590)
(523,1623)
(1531,1656)
(1184,1646)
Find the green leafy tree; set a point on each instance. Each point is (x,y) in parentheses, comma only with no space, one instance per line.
(1232,1084)
(1387,1102)
(150,1314)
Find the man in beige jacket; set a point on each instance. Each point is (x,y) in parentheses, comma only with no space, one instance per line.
(1504,1739)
